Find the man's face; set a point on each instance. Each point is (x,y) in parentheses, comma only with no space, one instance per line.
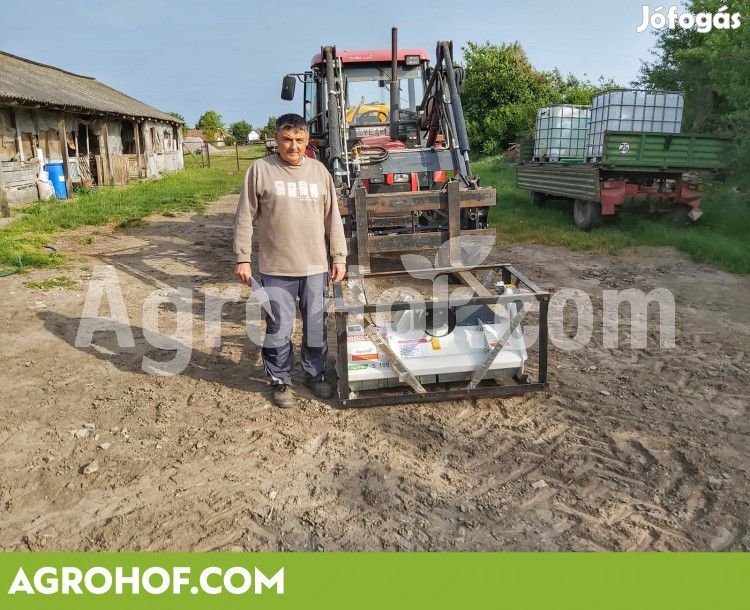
(292,144)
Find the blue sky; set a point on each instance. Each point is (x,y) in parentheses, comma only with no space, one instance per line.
(189,56)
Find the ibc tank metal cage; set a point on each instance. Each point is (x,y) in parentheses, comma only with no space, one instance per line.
(561,133)
(635,111)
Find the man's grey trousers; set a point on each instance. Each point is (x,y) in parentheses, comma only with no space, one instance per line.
(278,356)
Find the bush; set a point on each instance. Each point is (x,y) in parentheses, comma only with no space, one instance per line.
(503,91)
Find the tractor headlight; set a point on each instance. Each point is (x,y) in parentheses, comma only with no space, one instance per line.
(401,177)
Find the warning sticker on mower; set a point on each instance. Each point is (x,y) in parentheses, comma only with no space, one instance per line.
(362,350)
(492,344)
(355,338)
(413,348)
(362,347)
(373,364)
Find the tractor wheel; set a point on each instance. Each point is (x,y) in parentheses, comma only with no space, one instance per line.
(538,199)
(587,214)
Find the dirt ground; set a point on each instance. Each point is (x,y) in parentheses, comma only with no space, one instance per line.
(628,450)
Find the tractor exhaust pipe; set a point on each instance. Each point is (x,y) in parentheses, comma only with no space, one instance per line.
(395,97)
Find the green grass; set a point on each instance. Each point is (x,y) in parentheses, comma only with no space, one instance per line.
(55,282)
(226,159)
(719,237)
(22,243)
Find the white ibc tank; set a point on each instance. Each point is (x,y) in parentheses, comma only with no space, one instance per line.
(630,110)
(561,132)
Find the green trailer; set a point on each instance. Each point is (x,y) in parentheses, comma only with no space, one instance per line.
(664,171)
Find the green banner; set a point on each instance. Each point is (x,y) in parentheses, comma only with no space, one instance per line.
(373,580)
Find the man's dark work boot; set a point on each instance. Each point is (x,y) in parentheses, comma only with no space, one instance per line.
(282,396)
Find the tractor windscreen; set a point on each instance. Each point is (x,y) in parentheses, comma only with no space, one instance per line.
(368,93)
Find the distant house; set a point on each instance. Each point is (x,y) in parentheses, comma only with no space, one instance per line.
(253,136)
(218,139)
(195,133)
(101,135)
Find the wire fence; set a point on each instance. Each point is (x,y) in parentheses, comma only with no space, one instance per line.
(215,154)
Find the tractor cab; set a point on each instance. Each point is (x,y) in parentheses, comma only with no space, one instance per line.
(365,79)
(367,93)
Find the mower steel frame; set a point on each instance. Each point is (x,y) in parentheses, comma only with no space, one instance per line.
(383,397)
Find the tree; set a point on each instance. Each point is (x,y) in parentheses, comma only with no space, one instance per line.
(240,130)
(269,131)
(711,68)
(210,123)
(503,91)
(573,90)
(184,126)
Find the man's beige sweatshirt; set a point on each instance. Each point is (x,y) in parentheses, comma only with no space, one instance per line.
(295,207)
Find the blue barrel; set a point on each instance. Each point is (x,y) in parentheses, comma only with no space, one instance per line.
(57,177)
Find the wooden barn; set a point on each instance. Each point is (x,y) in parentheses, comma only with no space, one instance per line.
(101,136)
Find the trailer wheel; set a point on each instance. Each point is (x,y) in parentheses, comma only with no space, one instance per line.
(587,214)
(538,199)
(678,215)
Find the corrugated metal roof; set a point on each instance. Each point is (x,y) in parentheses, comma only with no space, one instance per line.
(28,82)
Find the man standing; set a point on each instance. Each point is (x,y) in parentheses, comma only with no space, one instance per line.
(293,199)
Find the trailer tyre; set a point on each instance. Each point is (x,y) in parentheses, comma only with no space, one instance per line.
(678,215)
(587,214)
(538,199)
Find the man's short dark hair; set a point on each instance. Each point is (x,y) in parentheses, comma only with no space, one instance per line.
(291,121)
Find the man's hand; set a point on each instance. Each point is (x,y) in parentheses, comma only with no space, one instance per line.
(338,271)
(243,271)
